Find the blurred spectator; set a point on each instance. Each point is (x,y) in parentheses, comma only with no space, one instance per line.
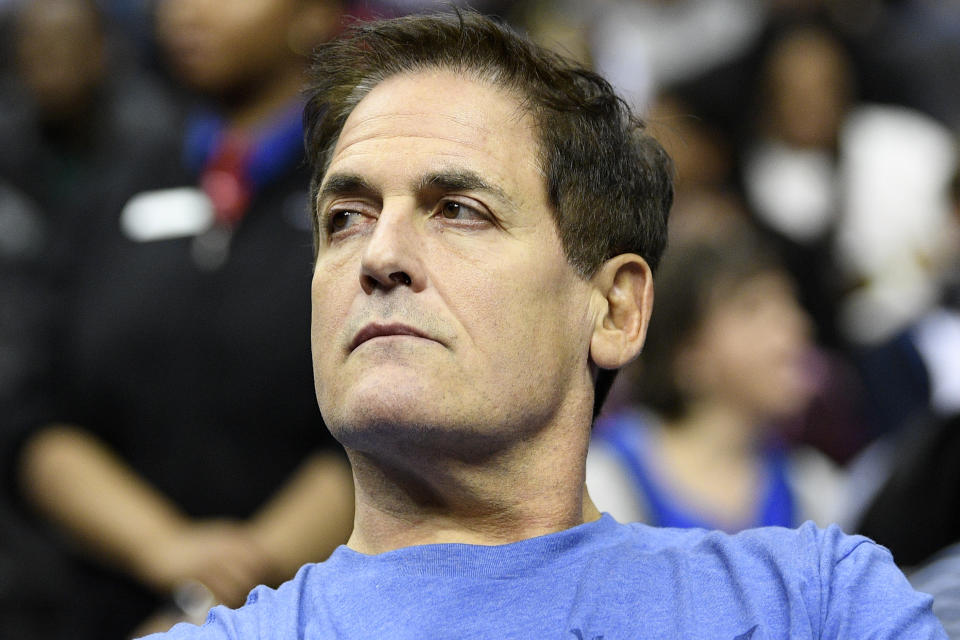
(31,591)
(789,168)
(391,8)
(72,127)
(175,443)
(910,53)
(852,190)
(707,200)
(725,358)
(915,380)
(939,578)
(72,122)
(707,203)
(913,512)
(896,235)
(132,22)
(643,46)
(916,374)
(855,194)
(23,235)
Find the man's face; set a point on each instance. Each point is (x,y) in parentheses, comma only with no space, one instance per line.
(443,302)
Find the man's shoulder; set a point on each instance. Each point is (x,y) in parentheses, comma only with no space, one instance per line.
(267,613)
(846,585)
(804,544)
(772,582)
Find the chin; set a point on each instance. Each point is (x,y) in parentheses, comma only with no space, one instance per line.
(411,426)
(785,407)
(376,406)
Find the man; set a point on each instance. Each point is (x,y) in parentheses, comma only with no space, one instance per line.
(487,222)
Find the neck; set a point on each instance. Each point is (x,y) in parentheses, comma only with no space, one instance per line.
(505,499)
(719,431)
(710,457)
(249,108)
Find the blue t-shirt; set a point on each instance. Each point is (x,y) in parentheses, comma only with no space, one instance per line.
(598,581)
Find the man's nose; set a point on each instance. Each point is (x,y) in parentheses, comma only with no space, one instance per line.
(392,254)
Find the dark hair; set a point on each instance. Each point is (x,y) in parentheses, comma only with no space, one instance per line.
(609,182)
(695,274)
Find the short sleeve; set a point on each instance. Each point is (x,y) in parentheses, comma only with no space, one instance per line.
(269,614)
(864,594)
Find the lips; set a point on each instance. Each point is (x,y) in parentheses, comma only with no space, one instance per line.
(378,330)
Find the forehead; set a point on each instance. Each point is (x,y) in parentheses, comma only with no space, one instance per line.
(436,120)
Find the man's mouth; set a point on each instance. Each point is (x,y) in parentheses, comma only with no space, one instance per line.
(380,330)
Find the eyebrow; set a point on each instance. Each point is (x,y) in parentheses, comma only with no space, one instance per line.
(340,184)
(462,180)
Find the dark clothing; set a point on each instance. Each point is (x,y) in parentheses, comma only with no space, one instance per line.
(69,165)
(915,513)
(201,379)
(31,589)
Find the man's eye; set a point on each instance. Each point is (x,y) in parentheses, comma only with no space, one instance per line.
(452,210)
(341,220)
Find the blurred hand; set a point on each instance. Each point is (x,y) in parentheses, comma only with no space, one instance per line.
(159,622)
(220,554)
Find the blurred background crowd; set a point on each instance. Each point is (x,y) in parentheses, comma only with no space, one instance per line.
(160,447)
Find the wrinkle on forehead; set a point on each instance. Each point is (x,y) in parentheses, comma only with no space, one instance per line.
(445,115)
(415,125)
(512,107)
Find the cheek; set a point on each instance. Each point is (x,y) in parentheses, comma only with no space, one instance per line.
(521,313)
(330,297)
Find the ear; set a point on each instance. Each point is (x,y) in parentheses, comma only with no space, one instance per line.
(624,289)
(316,22)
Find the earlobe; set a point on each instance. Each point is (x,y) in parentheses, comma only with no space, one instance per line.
(625,286)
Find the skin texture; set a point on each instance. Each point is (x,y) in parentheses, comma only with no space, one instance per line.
(435,222)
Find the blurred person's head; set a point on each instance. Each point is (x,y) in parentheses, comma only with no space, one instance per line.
(727,331)
(701,153)
(559,29)
(231,50)
(60,54)
(707,199)
(807,87)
